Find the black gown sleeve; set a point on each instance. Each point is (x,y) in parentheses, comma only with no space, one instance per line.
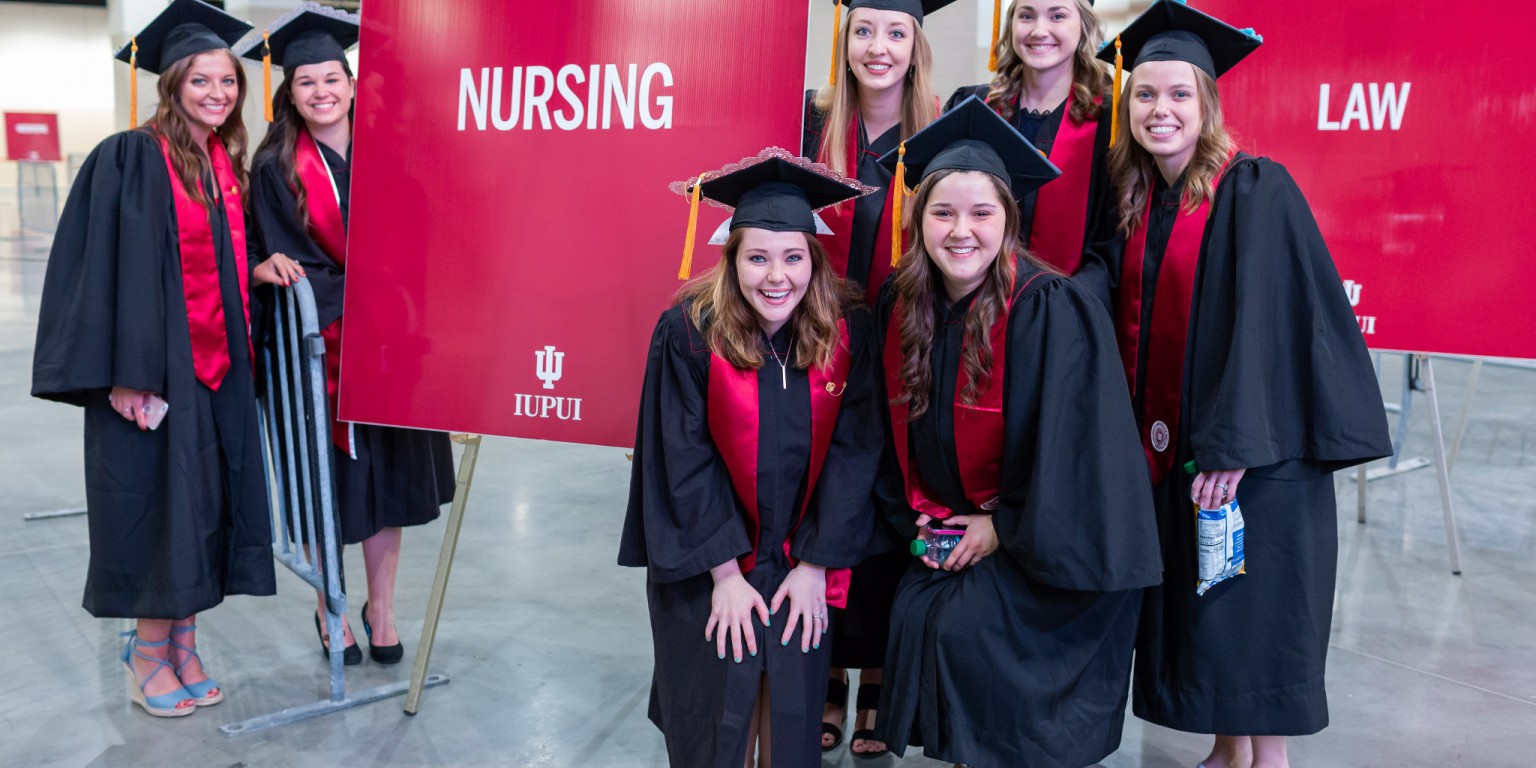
(1076,508)
(896,520)
(1103,247)
(965,92)
(101,322)
(682,518)
(1276,368)
(274,209)
(838,528)
(810,126)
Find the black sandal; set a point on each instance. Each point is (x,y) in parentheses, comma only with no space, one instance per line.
(837,693)
(868,698)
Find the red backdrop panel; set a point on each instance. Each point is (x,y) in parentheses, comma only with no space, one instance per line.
(1415,160)
(475,249)
(32,136)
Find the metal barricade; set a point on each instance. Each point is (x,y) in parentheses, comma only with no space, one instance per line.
(37,197)
(296,449)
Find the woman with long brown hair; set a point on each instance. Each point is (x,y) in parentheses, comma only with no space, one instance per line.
(755,453)
(1007,424)
(144,324)
(387,478)
(1050,87)
(1246,367)
(880,92)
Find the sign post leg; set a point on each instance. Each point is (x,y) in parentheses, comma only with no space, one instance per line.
(471,445)
(1442,471)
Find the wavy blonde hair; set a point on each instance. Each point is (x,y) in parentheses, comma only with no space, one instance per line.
(840,102)
(730,325)
(172,121)
(1135,171)
(1090,77)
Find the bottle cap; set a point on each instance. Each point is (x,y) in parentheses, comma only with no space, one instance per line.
(918,548)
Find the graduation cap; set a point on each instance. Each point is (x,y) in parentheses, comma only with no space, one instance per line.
(185,28)
(917,9)
(309,34)
(1171,30)
(775,190)
(970,137)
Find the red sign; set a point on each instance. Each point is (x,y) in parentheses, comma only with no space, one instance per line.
(1412,152)
(32,136)
(512,238)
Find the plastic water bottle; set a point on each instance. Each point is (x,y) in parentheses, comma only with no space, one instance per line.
(941,542)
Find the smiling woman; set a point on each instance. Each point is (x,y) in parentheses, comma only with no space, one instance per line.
(146,328)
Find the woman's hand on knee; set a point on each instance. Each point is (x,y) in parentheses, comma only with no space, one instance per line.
(731,607)
(979,541)
(806,589)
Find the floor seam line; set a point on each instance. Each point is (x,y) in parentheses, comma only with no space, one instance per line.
(1435,675)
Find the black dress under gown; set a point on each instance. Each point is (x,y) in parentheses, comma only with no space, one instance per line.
(861,630)
(1024,658)
(399,477)
(178,516)
(1277,380)
(684,519)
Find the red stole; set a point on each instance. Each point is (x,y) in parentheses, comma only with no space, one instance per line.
(979,428)
(200,263)
(1164,377)
(840,219)
(734,423)
(329,232)
(1061,207)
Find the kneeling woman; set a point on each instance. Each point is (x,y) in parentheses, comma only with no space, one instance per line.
(754,458)
(1008,420)
(387,478)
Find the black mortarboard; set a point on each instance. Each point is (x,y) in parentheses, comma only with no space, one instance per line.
(917,9)
(185,28)
(775,191)
(309,34)
(972,137)
(914,8)
(1171,30)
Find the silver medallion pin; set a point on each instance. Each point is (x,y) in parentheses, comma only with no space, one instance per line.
(1159,436)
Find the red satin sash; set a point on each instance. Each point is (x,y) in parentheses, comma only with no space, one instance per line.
(1164,379)
(979,428)
(329,231)
(840,219)
(734,425)
(1061,207)
(200,263)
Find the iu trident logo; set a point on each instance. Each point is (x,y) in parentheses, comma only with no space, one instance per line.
(549,366)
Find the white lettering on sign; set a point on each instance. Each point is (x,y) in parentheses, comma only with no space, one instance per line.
(40,129)
(528,97)
(1367,323)
(1383,108)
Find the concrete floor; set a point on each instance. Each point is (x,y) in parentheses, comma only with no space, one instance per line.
(546,643)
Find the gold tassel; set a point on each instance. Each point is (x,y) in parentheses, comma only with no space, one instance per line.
(693,224)
(837,23)
(1114,120)
(899,190)
(133,85)
(266,73)
(997,24)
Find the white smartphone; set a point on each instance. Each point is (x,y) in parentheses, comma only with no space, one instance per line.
(155,411)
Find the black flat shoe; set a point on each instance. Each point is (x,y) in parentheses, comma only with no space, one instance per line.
(868,699)
(385,654)
(837,693)
(351,656)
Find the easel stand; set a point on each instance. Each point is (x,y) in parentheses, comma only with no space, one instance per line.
(466,476)
(1419,374)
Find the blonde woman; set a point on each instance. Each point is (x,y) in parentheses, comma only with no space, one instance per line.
(1050,87)
(1250,382)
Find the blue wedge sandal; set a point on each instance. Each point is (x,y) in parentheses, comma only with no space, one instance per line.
(207,693)
(171,704)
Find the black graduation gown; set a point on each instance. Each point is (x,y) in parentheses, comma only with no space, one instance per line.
(400,477)
(684,518)
(1024,659)
(1277,381)
(178,516)
(1100,221)
(862,629)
